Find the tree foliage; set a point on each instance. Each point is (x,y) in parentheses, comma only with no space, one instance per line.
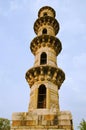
(4,124)
(82,125)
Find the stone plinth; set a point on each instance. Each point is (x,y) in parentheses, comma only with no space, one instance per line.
(42,120)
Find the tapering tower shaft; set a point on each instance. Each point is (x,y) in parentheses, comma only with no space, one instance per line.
(45,78)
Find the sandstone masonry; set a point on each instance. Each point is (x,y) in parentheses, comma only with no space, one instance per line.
(45,79)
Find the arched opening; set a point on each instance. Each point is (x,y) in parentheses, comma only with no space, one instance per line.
(42,96)
(44,31)
(43,59)
(45,14)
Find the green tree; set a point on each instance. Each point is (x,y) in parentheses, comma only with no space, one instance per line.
(4,124)
(82,125)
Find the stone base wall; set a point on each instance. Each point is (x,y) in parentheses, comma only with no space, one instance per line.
(42,121)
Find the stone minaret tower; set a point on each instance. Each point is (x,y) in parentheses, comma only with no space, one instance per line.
(45,79)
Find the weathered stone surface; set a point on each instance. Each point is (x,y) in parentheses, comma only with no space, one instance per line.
(43,111)
(61,120)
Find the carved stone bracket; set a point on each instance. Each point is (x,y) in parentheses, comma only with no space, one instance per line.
(41,73)
(46,40)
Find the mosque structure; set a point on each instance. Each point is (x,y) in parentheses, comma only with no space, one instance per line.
(45,79)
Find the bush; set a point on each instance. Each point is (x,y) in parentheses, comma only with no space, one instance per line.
(4,124)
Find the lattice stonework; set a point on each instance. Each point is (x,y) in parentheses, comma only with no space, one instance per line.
(45,79)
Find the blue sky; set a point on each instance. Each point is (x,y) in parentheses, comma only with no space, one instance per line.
(16,32)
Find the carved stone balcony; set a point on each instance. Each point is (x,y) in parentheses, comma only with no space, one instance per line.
(47,20)
(46,40)
(41,73)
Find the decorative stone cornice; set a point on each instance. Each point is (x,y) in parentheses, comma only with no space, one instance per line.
(47,20)
(46,40)
(41,73)
(46,7)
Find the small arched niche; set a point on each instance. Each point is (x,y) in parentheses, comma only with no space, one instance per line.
(44,31)
(41,96)
(43,58)
(45,14)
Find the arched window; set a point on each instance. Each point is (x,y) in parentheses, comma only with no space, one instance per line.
(42,96)
(43,58)
(44,31)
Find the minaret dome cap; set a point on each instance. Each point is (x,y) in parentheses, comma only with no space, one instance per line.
(48,8)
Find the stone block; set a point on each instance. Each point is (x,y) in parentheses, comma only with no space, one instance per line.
(49,117)
(19,115)
(44,122)
(64,122)
(64,115)
(16,123)
(30,122)
(32,116)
